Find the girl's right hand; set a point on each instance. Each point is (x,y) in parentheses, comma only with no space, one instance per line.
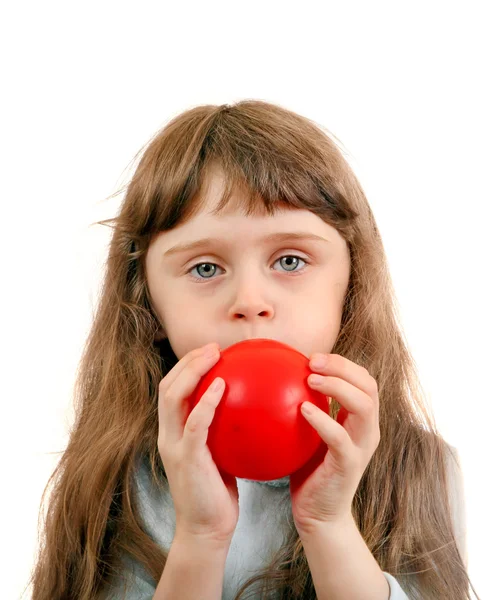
(206,502)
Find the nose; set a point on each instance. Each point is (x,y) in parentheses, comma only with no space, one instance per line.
(250,313)
(251,302)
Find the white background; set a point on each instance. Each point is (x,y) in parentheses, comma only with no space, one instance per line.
(414,92)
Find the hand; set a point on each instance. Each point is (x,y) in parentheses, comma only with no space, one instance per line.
(323,490)
(206,504)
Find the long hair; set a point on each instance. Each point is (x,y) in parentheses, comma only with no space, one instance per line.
(272,156)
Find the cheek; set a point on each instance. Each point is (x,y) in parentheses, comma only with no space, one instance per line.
(323,329)
(181,340)
(188,328)
(321,317)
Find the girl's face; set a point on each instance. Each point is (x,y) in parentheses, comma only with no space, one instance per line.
(249,286)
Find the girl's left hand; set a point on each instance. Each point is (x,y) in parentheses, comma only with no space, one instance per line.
(322,491)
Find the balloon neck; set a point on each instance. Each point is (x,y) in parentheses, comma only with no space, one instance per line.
(281,482)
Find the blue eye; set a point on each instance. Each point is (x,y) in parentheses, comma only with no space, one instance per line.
(210,267)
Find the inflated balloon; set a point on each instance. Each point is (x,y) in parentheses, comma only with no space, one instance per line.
(258,431)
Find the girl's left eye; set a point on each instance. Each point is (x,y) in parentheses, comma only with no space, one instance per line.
(209,264)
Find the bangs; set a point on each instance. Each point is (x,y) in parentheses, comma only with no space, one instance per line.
(268,161)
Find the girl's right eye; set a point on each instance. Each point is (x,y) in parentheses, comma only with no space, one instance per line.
(207,268)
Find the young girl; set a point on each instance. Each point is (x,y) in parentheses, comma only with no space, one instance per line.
(245,221)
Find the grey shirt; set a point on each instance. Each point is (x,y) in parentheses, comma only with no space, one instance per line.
(262,523)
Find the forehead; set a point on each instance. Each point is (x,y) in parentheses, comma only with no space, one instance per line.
(238,206)
(233,224)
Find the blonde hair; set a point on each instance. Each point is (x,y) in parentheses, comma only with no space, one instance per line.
(271,155)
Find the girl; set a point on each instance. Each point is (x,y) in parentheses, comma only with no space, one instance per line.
(292,252)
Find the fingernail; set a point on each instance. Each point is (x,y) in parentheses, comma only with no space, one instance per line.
(319,360)
(307,408)
(217,384)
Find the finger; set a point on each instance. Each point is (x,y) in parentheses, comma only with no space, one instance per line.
(201,417)
(174,372)
(332,433)
(165,406)
(339,366)
(173,407)
(361,416)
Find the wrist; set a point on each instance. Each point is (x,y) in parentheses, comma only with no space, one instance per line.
(202,541)
(341,563)
(194,568)
(337,527)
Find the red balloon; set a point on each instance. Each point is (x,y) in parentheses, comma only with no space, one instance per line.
(258,431)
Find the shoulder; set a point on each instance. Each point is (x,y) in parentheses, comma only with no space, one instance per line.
(155,505)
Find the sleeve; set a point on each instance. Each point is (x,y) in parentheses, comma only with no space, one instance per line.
(132,583)
(396,591)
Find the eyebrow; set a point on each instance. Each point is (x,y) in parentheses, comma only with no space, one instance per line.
(272,237)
